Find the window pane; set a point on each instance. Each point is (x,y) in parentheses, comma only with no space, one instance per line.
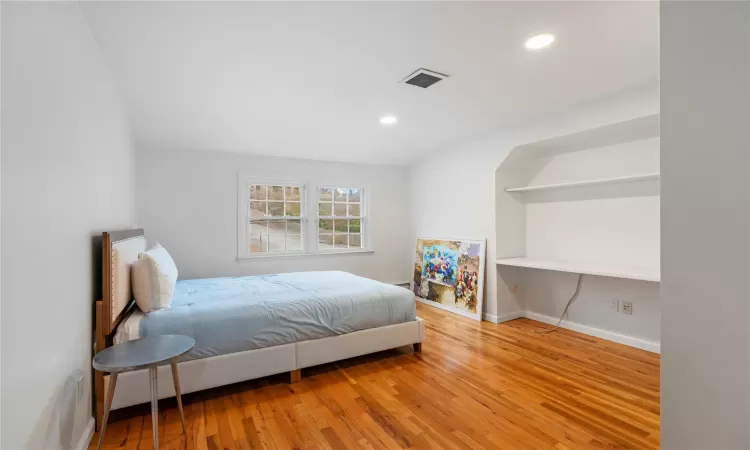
(277,227)
(325,225)
(258,226)
(294,226)
(339,195)
(275,208)
(339,209)
(341,241)
(355,241)
(292,193)
(326,194)
(257,245)
(355,195)
(258,236)
(325,209)
(276,243)
(267,228)
(341,225)
(354,226)
(354,209)
(293,209)
(258,191)
(293,243)
(325,241)
(257,209)
(276,192)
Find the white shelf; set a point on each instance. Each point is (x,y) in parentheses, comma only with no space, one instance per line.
(599,269)
(627,179)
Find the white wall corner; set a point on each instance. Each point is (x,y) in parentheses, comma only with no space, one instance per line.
(503,317)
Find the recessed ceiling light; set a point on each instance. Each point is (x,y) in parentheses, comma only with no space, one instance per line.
(388,120)
(540,41)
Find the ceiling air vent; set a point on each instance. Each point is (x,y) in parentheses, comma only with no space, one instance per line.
(424,78)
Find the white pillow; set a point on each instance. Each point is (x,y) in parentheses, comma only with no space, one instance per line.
(153,276)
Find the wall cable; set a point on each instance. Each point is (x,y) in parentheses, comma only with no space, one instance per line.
(575,295)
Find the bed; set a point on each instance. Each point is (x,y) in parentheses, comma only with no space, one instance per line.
(247,327)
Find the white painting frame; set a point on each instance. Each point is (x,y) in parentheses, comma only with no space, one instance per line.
(431,279)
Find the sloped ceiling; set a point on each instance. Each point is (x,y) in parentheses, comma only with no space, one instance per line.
(311,79)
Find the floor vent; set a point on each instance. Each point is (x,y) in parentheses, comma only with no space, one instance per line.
(424,78)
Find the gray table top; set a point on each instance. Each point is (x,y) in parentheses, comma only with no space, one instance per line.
(141,353)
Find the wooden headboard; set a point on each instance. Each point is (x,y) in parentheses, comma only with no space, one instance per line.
(120,249)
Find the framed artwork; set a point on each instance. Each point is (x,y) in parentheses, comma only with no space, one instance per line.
(449,274)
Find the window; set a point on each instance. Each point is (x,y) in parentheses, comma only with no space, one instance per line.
(341,218)
(272,218)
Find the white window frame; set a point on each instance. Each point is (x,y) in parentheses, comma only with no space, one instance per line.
(243,204)
(309,218)
(363,218)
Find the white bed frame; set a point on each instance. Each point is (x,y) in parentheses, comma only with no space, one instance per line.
(119,250)
(206,373)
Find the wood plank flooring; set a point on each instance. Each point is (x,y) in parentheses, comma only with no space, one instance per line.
(476,385)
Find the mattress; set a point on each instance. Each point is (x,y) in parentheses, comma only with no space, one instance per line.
(228,315)
(130,328)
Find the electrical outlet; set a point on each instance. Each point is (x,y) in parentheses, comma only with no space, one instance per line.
(615,305)
(627,308)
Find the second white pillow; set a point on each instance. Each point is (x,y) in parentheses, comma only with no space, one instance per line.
(154,276)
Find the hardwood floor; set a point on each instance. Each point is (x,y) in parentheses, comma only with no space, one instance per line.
(475,385)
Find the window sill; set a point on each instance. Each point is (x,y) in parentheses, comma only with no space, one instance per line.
(244,259)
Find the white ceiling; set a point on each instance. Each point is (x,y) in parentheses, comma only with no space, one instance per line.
(311,79)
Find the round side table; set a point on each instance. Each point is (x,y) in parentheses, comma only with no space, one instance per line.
(146,353)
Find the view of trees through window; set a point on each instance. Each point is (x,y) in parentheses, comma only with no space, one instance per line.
(275,218)
(340,218)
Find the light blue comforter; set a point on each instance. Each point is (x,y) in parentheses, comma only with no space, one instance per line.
(227,315)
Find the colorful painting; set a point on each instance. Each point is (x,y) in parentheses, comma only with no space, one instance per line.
(449,273)
(439,264)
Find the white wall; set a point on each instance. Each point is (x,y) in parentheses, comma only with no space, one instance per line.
(67,173)
(469,209)
(546,292)
(187,201)
(617,224)
(705,100)
(629,158)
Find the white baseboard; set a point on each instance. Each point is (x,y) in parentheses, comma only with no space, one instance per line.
(651,346)
(643,344)
(504,318)
(88,433)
